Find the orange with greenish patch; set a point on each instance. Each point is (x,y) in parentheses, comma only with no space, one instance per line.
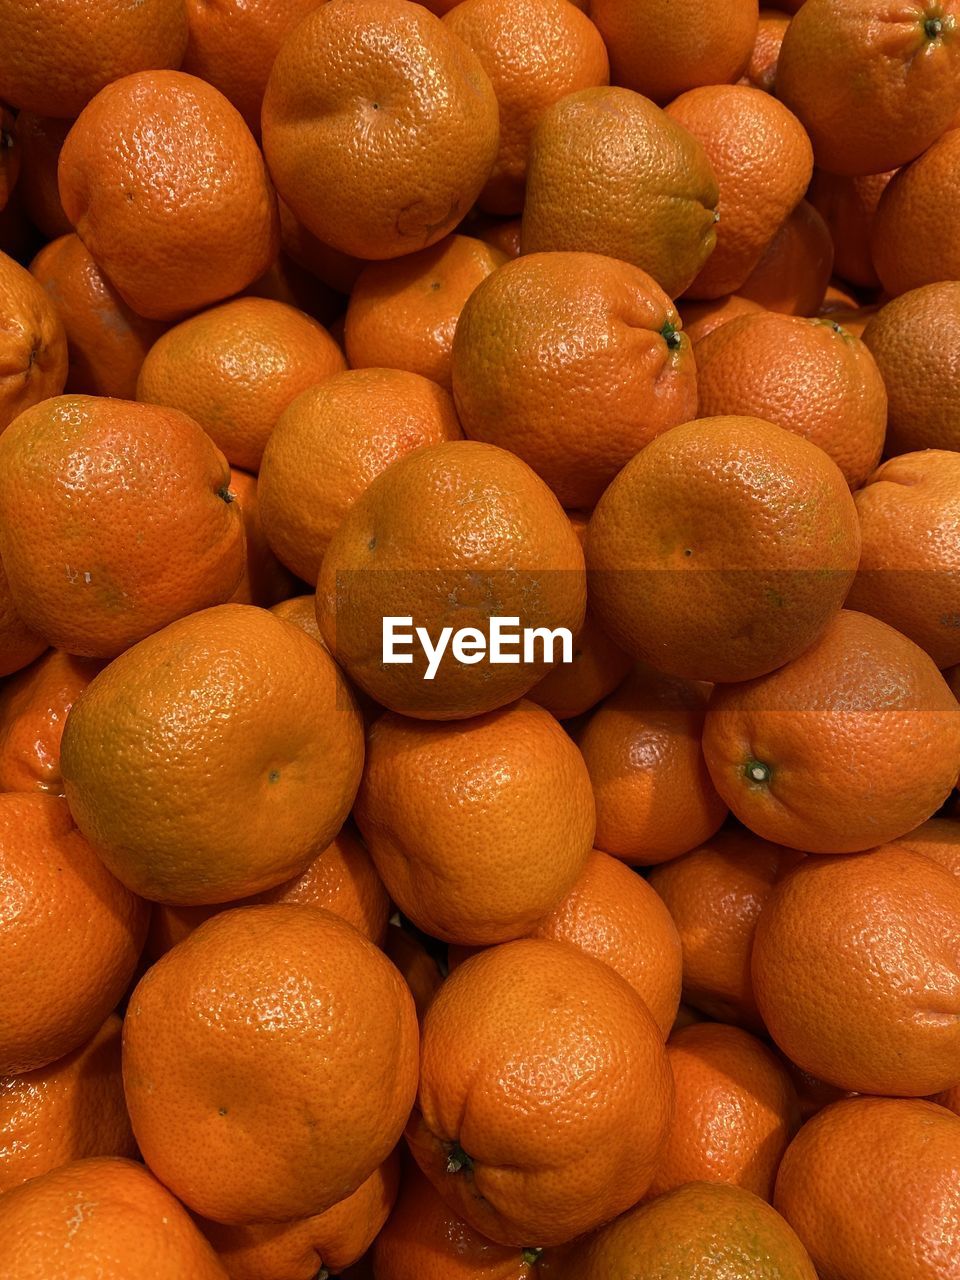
(265,580)
(848,205)
(33,344)
(905,255)
(40,139)
(18,644)
(34,705)
(761,70)
(793,274)
(701,318)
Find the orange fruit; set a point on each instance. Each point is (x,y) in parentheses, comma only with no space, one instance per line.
(33,708)
(608,172)
(228,1040)
(504,1128)
(135,500)
(853,743)
(854,320)
(213,759)
(535,53)
(337,270)
(9,155)
(807,375)
(574,411)
(736,1111)
(714,895)
(166,187)
(40,139)
(493,865)
(66,1111)
(110,1218)
(287,282)
(64,913)
(924,400)
(902,256)
(502,233)
(18,644)
(853,970)
(901,1220)
(33,344)
(379,126)
(795,269)
(328,446)
(455,534)
(761,70)
(873,82)
(265,580)
(848,205)
(763,162)
(812,1094)
(704,42)
(402,314)
(838,298)
(420,970)
(641,746)
(701,318)
(937,838)
(722,550)
(302,612)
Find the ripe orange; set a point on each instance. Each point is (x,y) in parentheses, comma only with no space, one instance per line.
(9,155)
(849,206)
(379,126)
(33,708)
(701,318)
(166,187)
(337,270)
(264,581)
(33,344)
(419,969)
(608,172)
(853,743)
(502,233)
(761,70)
(795,269)
(937,838)
(302,612)
(903,257)
(40,139)
(18,644)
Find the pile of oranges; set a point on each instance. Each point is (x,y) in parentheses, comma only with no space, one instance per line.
(630,324)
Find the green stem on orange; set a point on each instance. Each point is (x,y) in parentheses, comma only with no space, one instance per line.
(531,1256)
(758,772)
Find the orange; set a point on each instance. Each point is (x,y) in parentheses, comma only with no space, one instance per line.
(420,970)
(490,866)
(812,1094)
(736,1111)
(937,838)
(9,155)
(902,254)
(235,368)
(213,759)
(608,172)
(502,233)
(722,550)
(33,708)
(18,644)
(704,42)
(853,743)
(70,934)
(379,126)
(838,298)
(265,580)
(454,534)
(849,206)
(535,53)
(302,612)
(164,184)
(714,895)
(854,966)
(286,281)
(402,314)
(331,442)
(56,56)
(333,268)
(763,161)
(574,411)
(854,320)
(65,1111)
(701,318)
(33,344)
(110,1218)
(641,746)
(545,1093)
(808,375)
(874,82)
(909,573)
(135,501)
(263,1025)
(795,269)
(923,394)
(761,70)
(871,1186)
(40,139)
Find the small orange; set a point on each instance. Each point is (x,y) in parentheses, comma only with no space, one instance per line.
(420,970)
(937,838)
(849,206)
(302,612)
(761,70)
(33,708)
(9,155)
(701,318)
(793,274)
(335,269)
(18,644)
(33,344)
(903,257)
(40,139)
(502,233)
(265,580)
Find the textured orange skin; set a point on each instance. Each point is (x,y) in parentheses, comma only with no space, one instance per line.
(546,1068)
(106,341)
(608,172)
(812,1094)
(170,757)
(262,1026)
(871,1186)
(33,345)
(265,580)
(331,442)
(703,530)
(654,796)
(402,314)
(573,411)
(848,206)
(61,913)
(793,274)
(420,971)
(115,519)
(763,161)
(502,233)
(701,318)
(66,1111)
(703,42)
(923,393)
(736,1111)
(761,70)
(854,319)
(9,155)
(478,829)
(860,734)
(235,368)
(40,139)
(301,1249)
(909,572)
(33,708)
(379,126)
(807,375)
(166,187)
(456,533)
(902,252)
(18,644)
(302,612)
(715,895)
(871,87)
(937,838)
(337,270)
(535,53)
(855,971)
